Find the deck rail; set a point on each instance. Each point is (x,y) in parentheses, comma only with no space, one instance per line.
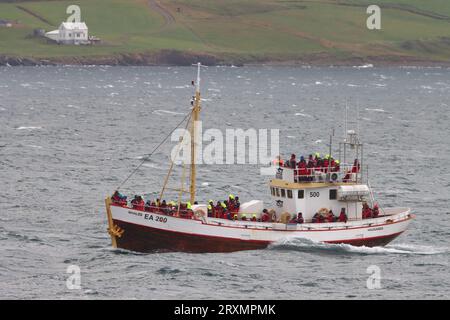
(347,173)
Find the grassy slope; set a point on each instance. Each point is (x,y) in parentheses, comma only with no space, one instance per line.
(246,28)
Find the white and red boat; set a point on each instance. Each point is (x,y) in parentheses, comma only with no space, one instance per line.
(321,189)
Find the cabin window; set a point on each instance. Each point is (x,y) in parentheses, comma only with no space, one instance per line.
(272,189)
(333,194)
(277,191)
(283,193)
(301,194)
(289,194)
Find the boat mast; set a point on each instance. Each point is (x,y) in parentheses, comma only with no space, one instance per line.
(194,119)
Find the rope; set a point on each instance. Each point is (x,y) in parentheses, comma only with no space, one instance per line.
(188,116)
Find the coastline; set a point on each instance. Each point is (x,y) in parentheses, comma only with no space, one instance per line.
(182,58)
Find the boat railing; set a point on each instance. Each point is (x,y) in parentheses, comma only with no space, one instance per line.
(346,173)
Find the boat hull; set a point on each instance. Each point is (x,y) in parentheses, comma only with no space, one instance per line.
(151,232)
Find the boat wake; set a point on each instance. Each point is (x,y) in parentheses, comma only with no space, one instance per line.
(306,245)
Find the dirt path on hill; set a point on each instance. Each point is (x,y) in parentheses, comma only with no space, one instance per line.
(34,14)
(167,15)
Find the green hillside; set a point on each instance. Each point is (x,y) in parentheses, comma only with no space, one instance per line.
(232,30)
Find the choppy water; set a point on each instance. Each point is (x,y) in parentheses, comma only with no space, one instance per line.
(69,135)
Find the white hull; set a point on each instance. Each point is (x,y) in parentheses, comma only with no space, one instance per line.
(177,234)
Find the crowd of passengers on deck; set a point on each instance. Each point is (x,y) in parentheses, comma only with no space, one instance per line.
(305,169)
(229,210)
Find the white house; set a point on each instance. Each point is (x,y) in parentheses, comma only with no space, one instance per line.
(70,33)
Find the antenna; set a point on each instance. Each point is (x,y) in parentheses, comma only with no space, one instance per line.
(345,120)
(199,65)
(357,117)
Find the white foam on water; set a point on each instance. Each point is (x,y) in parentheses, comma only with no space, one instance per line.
(364,66)
(303,115)
(215,90)
(151,165)
(33,146)
(318,141)
(205,184)
(303,244)
(318,82)
(29,128)
(375,110)
(160,112)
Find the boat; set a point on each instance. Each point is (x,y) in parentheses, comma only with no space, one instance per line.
(316,193)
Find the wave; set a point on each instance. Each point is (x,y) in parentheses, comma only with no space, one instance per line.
(29,128)
(364,66)
(160,112)
(306,245)
(303,115)
(375,110)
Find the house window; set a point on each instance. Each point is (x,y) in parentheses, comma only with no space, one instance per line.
(289,194)
(301,194)
(333,194)
(283,193)
(277,191)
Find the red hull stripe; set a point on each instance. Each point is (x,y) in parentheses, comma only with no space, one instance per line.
(148,239)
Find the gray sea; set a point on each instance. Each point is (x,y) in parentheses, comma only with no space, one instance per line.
(70,135)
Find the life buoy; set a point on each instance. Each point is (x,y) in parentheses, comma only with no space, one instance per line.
(334,176)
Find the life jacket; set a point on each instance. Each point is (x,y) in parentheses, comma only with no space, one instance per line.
(325,165)
(224,214)
(367,213)
(140,205)
(375,212)
(278,162)
(265,217)
(210,211)
(300,220)
(116,199)
(342,217)
(218,211)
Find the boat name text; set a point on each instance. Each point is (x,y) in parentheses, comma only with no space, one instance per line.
(148,216)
